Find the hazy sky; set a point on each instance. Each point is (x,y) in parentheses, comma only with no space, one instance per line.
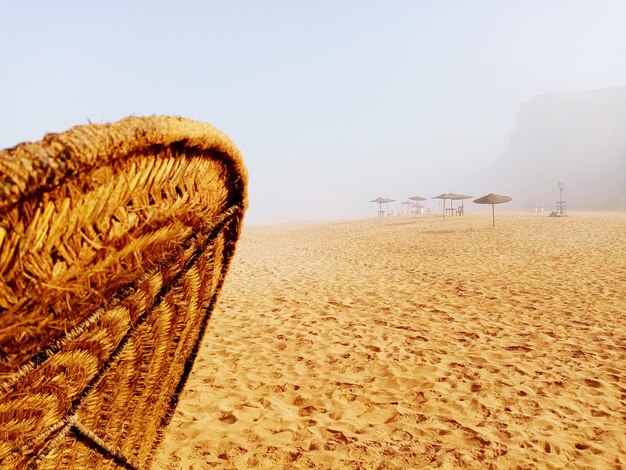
(332,103)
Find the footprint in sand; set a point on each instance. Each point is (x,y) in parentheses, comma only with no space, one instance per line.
(593,383)
(228,418)
(310,410)
(230,451)
(519,348)
(399,435)
(340,437)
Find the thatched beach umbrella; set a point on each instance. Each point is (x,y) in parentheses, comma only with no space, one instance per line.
(102,309)
(492,199)
(444,196)
(381,201)
(417,200)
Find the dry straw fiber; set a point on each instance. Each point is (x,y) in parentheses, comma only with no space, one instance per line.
(114,242)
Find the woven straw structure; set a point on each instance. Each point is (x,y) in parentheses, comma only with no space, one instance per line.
(114,242)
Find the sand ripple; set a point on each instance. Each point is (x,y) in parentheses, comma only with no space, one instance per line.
(410,343)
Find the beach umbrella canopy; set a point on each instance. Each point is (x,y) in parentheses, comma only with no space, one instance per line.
(443,196)
(492,199)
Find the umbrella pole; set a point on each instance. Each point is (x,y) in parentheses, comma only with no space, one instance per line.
(444,209)
(493,215)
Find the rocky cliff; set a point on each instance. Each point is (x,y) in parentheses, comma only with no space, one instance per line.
(574,137)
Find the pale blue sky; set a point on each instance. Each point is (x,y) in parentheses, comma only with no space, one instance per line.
(332,103)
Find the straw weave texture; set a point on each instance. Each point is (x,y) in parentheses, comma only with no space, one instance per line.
(114,243)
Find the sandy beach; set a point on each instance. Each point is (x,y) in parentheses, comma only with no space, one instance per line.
(410,342)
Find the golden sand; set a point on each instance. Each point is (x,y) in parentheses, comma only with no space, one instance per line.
(412,343)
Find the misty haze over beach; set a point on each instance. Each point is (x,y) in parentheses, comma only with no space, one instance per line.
(576,137)
(339,340)
(335,104)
